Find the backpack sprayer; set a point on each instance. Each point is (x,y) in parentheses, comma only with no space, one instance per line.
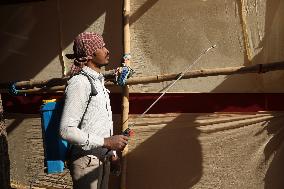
(129,132)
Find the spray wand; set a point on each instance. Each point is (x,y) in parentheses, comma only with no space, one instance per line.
(128,132)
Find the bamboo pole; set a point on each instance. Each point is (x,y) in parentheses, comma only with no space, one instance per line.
(247,40)
(258,68)
(125,92)
(55,89)
(109,75)
(41,84)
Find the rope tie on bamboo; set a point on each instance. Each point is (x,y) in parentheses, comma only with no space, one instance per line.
(260,69)
(12,89)
(158,77)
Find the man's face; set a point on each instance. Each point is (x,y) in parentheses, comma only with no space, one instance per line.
(101,57)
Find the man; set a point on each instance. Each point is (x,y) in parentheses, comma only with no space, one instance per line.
(86,121)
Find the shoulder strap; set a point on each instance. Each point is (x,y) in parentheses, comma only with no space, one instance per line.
(93,93)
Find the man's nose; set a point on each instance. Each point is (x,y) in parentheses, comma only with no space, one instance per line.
(106,51)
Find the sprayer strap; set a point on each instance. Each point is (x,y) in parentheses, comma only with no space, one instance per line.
(93,93)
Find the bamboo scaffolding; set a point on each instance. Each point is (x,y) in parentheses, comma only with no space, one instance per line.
(258,68)
(125,92)
(109,75)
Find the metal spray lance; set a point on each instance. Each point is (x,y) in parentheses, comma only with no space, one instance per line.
(128,131)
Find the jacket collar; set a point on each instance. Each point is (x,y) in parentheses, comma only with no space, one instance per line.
(92,73)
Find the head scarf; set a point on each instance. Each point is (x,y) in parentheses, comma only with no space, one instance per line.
(85,45)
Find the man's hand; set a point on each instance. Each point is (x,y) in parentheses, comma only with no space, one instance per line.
(116,142)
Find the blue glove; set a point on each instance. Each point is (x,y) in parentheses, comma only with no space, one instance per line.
(124,72)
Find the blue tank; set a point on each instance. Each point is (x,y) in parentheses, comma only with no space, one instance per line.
(54,147)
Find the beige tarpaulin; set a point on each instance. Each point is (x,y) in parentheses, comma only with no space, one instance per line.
(175,151)
(207,151)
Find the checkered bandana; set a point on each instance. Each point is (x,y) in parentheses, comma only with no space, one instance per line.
(85,45)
